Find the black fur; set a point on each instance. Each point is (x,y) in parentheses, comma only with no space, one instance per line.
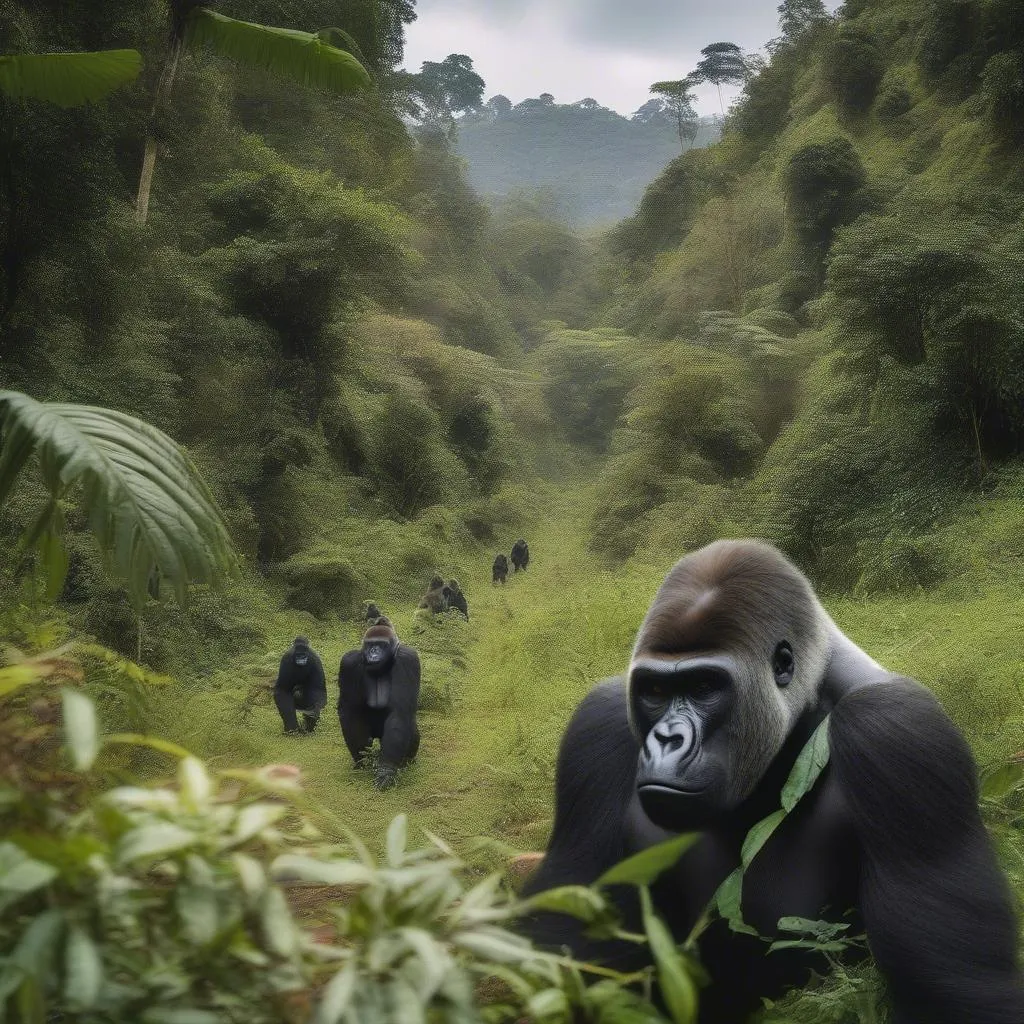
(300,687)
(393,723)
(499,571)
(890,838)
(520,554)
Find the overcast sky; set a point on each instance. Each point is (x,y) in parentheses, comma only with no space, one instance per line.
(611,50)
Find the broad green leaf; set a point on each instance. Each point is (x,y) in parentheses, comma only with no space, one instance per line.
(304,57)
(759,835)
(81,732)
(644,867)
(20,874)
(279,932)
(147,799)
(809,765)
(728,899)
(337,996)
(1002,781)
(55,560)
(433,961)
(398,833)
(822,930)
(575,900)
(551,1002)
(153,840)
(148,506)
(198,912)
(132,739)
(253,819)
(497,945)
(290,866)
(195,783)
(14,677)
(251,874)
(83,969)
(678,989)
(68,79)
(36,951)
(182,1015)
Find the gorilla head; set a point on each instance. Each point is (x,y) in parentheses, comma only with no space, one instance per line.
(300,650)
(436,583)
(379,645)
(730,655)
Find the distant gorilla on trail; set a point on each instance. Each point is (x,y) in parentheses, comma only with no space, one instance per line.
(300,687)
(499,572)
(520,555)
(457,598)
(378,691)
(735,665)
(373,613)
(437,597)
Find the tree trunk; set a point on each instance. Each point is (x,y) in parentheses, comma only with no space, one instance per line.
(160,100)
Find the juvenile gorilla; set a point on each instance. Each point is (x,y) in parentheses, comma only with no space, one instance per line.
(735,665)
(437,597)
(499,571)
(378,691)
(300,687)
(520,555)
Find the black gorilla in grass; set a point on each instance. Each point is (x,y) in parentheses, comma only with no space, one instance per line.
(457,599)
(499,571)
(378,691)
(438,596)
(735,665)
(520,555)
(301,687)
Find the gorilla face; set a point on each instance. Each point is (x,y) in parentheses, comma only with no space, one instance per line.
(301,657)
(682,709)
(378,653)
(731,653)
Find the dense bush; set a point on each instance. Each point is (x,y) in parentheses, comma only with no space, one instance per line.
(894,100)
(824,181)
(1002,90)
(853,67)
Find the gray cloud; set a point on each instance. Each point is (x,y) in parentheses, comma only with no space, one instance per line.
(609,49)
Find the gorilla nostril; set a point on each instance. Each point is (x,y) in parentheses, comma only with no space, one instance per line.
(674,740)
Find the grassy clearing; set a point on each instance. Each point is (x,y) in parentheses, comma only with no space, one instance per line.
(500,688)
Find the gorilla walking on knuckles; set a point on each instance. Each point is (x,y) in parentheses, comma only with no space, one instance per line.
(378,691)
(300,687)
(735,665)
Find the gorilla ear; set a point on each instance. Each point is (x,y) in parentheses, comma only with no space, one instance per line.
(783,664)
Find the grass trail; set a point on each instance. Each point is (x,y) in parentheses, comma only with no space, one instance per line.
(500,688)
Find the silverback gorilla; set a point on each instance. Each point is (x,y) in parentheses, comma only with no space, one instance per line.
(300,687)
(378,690)
(520,555)
(735,664)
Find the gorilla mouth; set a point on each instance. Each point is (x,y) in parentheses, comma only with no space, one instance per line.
(662,787)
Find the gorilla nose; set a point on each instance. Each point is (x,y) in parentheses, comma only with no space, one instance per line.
(675,740)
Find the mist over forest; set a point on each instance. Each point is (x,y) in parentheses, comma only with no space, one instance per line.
(290,329)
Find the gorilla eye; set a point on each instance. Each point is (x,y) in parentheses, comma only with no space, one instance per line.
(782,664)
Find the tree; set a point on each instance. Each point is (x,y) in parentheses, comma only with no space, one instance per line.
(799,16)
(678,97)
(723,64)
(853,68)
(149,508)
(499,106)
(446,88)
(311,58)
(651,112)
(68,79)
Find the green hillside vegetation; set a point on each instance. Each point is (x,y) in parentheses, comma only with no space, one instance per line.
(809,332)
(594,162)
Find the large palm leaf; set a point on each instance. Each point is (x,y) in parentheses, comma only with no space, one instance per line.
(306,57)
(68,79)
(147,504)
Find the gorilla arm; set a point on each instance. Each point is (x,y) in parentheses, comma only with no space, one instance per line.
(355,728)
(401,737)
(936,907)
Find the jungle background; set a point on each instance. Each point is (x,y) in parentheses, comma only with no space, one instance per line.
(810,331)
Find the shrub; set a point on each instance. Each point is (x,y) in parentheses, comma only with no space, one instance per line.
(853,68)
(1002,90)
(322,585)
(894,100)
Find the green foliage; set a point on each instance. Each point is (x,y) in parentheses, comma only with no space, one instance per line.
(824,181)
(1002,90)
(68,79)
(853,67)
(322,585)
(948,38)
(894,99)
(307,57)
(149,508)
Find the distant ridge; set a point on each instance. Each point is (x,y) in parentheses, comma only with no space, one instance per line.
(594,162)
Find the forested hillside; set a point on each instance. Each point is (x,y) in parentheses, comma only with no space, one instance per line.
(810,331)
